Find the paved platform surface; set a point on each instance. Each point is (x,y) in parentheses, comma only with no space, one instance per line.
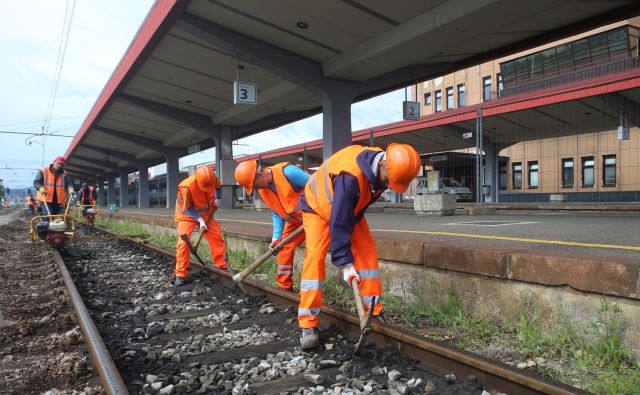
(611,234)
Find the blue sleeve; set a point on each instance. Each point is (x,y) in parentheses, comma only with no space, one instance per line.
(218,193)
(193,213)
(278,225)
(296,176)
(345,197)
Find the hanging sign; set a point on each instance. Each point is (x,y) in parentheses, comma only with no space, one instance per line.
(244,92)
(410,110)
(467,135)
(193,148)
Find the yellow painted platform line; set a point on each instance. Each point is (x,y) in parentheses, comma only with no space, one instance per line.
(519,239)
(476,236)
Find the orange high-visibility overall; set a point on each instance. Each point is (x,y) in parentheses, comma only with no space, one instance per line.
(190,195)
(286,203)
(90,196)
(319,196)
(50,182)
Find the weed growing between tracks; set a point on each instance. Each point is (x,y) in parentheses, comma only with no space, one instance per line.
(593,357)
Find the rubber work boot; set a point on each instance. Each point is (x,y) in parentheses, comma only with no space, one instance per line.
(379,318)
(180,281)
(309,338)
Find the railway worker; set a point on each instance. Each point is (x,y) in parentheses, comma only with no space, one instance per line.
(85,197)
(280,187)
(31,203)
(333,206)
(195,204)
(52,185)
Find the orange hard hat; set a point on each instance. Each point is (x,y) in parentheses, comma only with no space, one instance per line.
(246,174)
(403,164)
(205,178)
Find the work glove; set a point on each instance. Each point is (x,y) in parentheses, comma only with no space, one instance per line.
(217,202)
(71,191)
(349,273)
(274,243)
(203,225)
(43,191)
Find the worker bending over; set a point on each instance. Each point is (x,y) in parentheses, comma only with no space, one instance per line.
(280,187)
(31,204)
(52,185)
(85,197)
(333,206)
(195,204)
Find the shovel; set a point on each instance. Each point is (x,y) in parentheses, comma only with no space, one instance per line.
(365,319)
(239,277)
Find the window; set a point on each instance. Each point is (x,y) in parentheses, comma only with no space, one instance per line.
(532,168)
(502,180)
(587,171)
(449,98)
(567,173)
(486,89)
(427,99)
(438,101)
(609,170)
(517,175)
(564,57)
(462,99)
(500,84)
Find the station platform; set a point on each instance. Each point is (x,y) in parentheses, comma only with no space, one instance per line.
(589,251)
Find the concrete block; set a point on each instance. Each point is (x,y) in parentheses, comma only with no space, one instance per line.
(480,210)
(434,205)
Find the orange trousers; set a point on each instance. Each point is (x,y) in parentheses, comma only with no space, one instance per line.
(313,270)
(214,239)
(286,255)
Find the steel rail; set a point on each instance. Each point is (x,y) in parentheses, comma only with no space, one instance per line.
(109,375)
(430,355)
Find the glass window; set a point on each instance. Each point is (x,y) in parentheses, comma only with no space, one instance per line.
(500,84)
(462,95)
(438,101)
(535,65)
(522,70)
(598,45)
(502,181)
(449,98)
(564,57)
(617,41)
(486,89)
(567,173)
(427,99)
(580,52)
(549,64)
(532,167)
(587,171)
(507,70)
(517,175)
(609,170)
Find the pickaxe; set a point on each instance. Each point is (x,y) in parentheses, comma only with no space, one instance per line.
(239,277)
(365,318)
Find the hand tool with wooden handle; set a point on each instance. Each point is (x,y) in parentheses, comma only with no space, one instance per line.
(365,319)
(239,277)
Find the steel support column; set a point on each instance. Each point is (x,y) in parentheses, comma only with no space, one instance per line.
(173,175)
(225,165)
(100,192)
(336,122)
(124,188)
(111,190)
(143,186)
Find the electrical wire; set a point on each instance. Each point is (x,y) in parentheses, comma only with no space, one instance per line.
(34,133)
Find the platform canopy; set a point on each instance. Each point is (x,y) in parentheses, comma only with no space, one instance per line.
(174,86)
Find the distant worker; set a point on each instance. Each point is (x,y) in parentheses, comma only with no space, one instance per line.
(195,204)
(280,187)
(85,197)
(333,206)
(31,204)
(53,184)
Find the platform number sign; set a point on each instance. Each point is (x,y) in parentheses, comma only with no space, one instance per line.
(244,92)
(410,110)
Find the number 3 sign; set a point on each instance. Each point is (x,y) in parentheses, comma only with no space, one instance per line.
(244,93)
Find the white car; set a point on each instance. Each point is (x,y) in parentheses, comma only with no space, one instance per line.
(446,185)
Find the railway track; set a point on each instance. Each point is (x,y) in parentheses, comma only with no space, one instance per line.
(208,337)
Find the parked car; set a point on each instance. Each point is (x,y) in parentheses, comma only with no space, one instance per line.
(446,185)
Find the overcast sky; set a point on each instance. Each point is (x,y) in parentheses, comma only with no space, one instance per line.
(101,31)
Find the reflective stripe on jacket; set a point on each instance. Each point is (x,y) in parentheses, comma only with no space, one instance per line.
(52,182)
(200,200)
(285,201)
(319,191)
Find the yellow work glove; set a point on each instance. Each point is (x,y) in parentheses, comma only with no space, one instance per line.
(71,190)
(43,191)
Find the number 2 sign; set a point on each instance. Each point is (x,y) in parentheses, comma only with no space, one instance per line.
(411,110)
(244,93)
